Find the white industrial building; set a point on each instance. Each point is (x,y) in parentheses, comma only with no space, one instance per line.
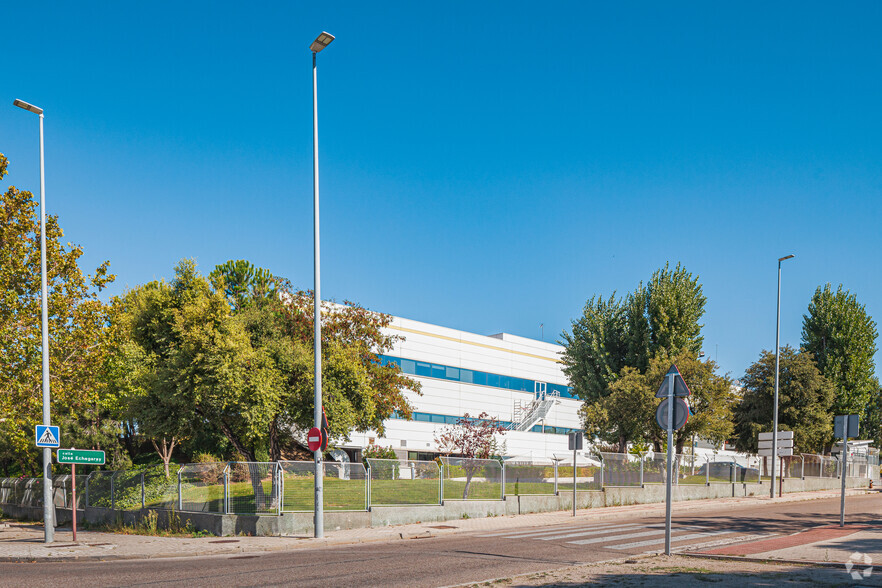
(516,380)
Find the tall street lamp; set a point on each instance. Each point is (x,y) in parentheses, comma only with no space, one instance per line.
(48,519)
(322,41)
(777,357)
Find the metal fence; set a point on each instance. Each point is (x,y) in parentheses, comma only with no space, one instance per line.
(857,466)
(589,476)
(654,468)
(820,466)
(275,487)
(345,486)
(99,489)
(63,494)
(395,482)
(202,487)
(622,469)
(252,487)
(22,491)
(466,478)
(525,478)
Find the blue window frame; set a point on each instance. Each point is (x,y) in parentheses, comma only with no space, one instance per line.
(454,374)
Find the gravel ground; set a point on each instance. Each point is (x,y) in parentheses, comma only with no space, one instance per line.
(678,571)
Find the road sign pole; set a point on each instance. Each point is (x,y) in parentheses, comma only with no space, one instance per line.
(574,477)
(73,491)
(844,463)
(671,382)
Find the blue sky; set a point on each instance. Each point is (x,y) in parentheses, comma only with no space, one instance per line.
(486,166)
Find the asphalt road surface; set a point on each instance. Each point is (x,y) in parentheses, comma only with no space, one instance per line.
(451,559)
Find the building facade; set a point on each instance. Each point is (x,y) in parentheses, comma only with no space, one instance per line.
(516,380)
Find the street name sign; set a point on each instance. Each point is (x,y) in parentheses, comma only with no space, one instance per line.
(80,456)
(781,435)
(47,436)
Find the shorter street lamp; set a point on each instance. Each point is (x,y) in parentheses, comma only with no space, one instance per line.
(777,354)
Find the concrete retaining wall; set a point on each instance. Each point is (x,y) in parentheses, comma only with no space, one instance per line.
(381,516)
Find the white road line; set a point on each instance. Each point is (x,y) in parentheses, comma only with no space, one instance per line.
(673,540)
(615,537)
(591,532)
(548,531)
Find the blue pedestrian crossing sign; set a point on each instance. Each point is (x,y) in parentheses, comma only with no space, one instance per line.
(48,436)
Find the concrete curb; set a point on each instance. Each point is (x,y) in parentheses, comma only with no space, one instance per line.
(768,560)
(327,542)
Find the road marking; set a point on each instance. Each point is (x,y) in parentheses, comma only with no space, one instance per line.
(507,534)
(615,537)
(673,539)
(590,532)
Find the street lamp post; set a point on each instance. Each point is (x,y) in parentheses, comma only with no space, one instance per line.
(777,357)
(322,41)
(48,519)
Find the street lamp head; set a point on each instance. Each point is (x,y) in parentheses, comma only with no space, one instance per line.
(26,106)
(785,257)
(321,42)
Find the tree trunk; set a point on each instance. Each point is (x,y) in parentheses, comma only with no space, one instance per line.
(165,450)
(623,444)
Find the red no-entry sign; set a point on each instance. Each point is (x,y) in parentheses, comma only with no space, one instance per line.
(314,439)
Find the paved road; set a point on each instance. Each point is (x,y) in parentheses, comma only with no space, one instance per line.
(452,559)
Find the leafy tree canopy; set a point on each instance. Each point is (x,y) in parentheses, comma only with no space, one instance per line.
(245,368)
(77,337)
(841,337)
(805,397)
(660,318)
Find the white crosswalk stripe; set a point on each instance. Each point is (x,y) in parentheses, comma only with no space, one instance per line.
(613,536)
(606,539)
(510,534)
(674,539)
(590,532)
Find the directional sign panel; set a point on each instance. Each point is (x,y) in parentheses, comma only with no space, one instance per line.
(47,436)
(781,443)
(781,435)
(680,387)
(782,452)
(80,456)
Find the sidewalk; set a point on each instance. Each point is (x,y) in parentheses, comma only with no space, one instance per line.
(21,541)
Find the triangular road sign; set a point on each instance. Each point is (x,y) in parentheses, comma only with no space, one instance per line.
(680,387)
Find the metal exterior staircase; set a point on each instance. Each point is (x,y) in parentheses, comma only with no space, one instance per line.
(527,414)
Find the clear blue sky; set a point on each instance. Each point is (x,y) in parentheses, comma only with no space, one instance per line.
(487,166)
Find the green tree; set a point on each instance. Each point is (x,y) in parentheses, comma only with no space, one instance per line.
(597,348)
(712,400)
(628,339)
(243,283)
(627,415)
(660,318)
(841,338)
(664,317)
(77,339)
(805,398)
(624,415)
(246,369)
